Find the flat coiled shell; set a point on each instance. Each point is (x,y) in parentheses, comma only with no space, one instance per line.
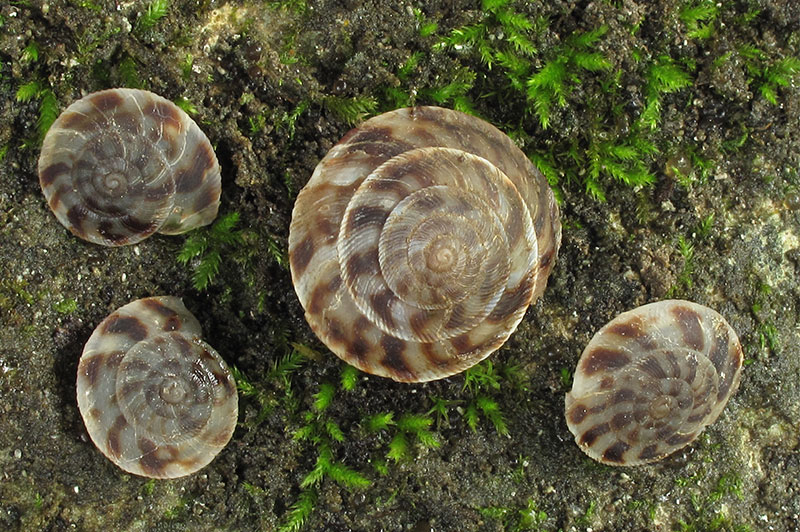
(120,164)
(651,380)
(156,399)
(419,242)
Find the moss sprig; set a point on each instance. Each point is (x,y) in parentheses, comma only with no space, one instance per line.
(30,54)
(298,6)
(685,279)
(768,75)
(699,18)
(351,110)
(552,83)
(623,159)
(323,432)
(455,92)
(248,390)
(276,388)
(129,73)
(663,76)
(502,37)
(300,511)
(529,518)
(483,382)
(48,107)
(406,430)
(780,74)
(288,120)
(204,248)
(187,105)
(156,10)
(707,513)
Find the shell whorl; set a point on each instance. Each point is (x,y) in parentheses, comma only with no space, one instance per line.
(156,399)
(419,242)
(120,164)
(651,380)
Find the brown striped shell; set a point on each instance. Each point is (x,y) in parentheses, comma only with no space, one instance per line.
(419,242)
(651,380)
(120,164)
(156,399)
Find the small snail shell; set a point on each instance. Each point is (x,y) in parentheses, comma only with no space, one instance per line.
(120,164)
(419,242)
(156,399)
(651,380)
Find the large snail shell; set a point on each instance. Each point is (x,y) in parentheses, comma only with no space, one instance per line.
(120,164)
(651,380)
(156,399)
(419,242)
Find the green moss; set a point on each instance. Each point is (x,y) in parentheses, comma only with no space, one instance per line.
(565,376)
(455,92)
(528,519)
(351,110)
(28,91)
(288,121)
(128,72)
(323,397)
(779,74)
(148,487)
(349,377)
(551,84)
(300,511)
(205,248)
(596,133)
(65,306)
(705,225)
(427,27)
(13,292)
(699,18)
(48,112)
(407,429)
(298,6)
(30,54)
(482,382)
(440,407)
(178,511)
(588,514)
(48,106)
(663,76)
(768,75)
(283,368)
(768,336)
(188,107)
(323,432)
(186,67)
(709,500)
(156,10)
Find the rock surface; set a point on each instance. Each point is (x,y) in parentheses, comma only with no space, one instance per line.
(274,86)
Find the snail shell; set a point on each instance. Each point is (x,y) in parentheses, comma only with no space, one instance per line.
(120,164)
(419,242)
(651,380)
(156,399)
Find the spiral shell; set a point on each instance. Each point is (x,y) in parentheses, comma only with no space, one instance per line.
(120,164)
(651,380)
(419,242)
(156,399)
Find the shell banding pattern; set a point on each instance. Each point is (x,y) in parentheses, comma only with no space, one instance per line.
(419,242)
(651,380)
(120,164)
(156,399)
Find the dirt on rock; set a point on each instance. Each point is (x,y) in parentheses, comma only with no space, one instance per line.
(702,97)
